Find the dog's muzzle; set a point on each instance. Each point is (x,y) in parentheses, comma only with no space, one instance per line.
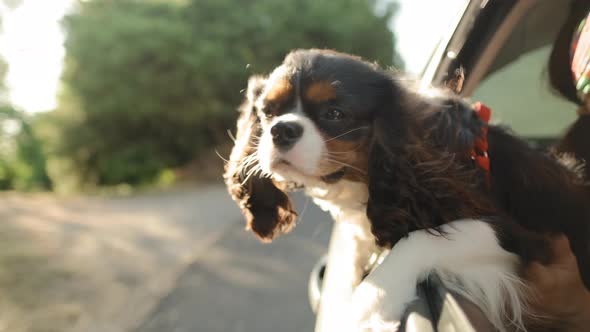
(286,134)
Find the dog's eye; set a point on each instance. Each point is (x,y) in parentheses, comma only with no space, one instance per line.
(333,114)
(267,111)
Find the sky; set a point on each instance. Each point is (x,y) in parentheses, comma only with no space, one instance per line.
(418,27)
(32,44)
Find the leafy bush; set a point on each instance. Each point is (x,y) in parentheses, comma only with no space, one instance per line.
(22,162)
(151,85)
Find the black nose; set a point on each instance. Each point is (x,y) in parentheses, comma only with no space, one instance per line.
(285,134)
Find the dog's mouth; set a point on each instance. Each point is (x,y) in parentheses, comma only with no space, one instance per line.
(280,166)
(283,162)
(334,176)
(328,178)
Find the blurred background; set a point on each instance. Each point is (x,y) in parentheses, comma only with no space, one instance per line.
(114,118)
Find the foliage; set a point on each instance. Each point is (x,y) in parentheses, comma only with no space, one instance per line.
(3,72)
(153,85)
(22,162)
(12,4)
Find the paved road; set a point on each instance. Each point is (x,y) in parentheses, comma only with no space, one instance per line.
(167,261)
(238,284)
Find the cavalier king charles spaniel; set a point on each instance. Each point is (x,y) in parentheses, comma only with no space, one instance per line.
(399,166)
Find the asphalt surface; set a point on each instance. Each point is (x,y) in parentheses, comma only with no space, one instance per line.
(237,284)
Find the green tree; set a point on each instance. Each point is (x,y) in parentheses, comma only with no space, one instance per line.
(12,4)
(150,85)
(22,162)
(3,70)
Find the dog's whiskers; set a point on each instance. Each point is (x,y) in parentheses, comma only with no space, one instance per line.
(250,168)
(220,156)
(231,135)
(346,133)
(251,173)
(248,162)
(346,165)
(334,153)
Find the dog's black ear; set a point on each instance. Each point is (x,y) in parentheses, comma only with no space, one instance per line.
(416,181)
(268,210)
(388,206)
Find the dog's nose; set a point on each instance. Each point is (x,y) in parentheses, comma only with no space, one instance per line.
(285,134)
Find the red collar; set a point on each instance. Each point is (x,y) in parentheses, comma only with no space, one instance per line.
(479,153)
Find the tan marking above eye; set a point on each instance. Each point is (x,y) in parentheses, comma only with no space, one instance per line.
(280,91)
(319,92)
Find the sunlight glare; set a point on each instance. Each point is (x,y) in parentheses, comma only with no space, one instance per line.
(32,44)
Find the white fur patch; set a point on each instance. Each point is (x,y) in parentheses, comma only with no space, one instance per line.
(350,251)
(346,201)
(469,260)
(304,156)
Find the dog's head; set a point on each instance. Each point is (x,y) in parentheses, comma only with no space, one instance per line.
(316,116)
(322,117)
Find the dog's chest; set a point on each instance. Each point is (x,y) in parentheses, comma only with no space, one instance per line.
(345,200)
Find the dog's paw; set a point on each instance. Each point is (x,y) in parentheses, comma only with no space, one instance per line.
(377,324)
(377,308)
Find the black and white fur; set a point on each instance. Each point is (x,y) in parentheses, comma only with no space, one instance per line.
(405,182)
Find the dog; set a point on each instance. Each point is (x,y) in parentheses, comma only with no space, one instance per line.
(421,174)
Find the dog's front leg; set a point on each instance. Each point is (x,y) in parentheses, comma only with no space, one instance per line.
(468,250)
(351,246)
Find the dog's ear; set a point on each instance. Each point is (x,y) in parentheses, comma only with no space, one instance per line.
(267,209)
(413,182)
(388,205)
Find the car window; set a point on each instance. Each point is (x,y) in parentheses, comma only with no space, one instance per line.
(520,97)
(418,32)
